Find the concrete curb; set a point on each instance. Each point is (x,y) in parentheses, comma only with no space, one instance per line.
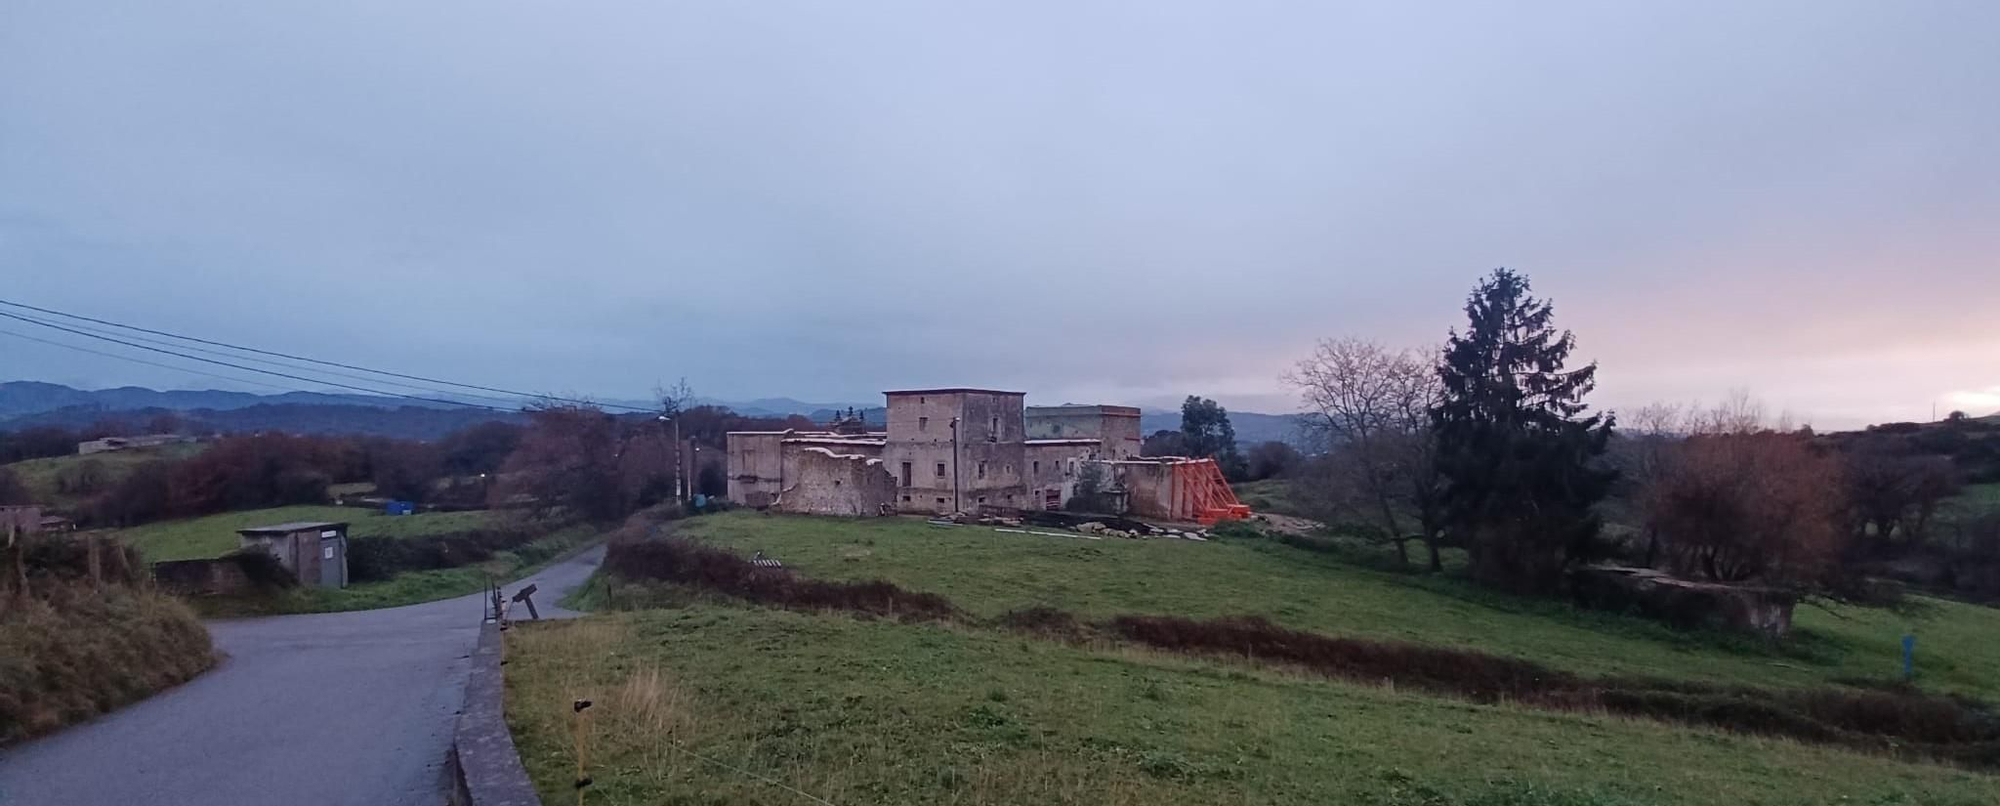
(484,766)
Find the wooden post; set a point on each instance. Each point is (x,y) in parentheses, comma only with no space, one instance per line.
(93,562)
(17,541)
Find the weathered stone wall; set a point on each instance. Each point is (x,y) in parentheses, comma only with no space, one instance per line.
(756,466)
(201,577)
(829,483)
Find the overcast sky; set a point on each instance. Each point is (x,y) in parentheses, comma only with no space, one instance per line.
(1091,202)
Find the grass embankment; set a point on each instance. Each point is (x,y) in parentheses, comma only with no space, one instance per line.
(73,651)
(990,573)
(875,711)
(215,535)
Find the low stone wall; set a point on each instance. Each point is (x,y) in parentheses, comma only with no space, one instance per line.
(485,768)
(201,577)
(1686,604)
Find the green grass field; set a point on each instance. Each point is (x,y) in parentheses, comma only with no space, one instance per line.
(990,572)
(1272,496)
(709,701)
(39,475)
(215,535)
(858,711)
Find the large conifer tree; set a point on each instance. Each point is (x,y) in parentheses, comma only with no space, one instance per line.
(1516,444)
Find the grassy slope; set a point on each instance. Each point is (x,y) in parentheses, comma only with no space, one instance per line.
(1269,496)
(215,535)
(875,712)
(90,652)
(39,475)
(989,573)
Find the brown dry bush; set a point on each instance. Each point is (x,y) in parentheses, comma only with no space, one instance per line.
(680,561)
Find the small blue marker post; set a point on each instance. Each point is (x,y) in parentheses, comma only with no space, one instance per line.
(1909,657)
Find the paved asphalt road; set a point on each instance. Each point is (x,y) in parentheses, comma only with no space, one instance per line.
(329,708)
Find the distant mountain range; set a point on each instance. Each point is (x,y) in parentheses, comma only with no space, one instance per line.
(19,398)
(25,404)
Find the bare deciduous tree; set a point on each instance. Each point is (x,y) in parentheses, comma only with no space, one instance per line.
(1370,411)
(1729,494)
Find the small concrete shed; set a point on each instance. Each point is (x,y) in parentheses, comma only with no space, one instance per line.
(314,551)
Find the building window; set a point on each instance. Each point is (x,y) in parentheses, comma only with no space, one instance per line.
(940,501)
(923,423)
(940,470)
(982,468)
(906,478)
(1037,465)
(906,499)
(993,431)
(982,499)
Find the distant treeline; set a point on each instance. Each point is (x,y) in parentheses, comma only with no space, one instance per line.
(579,459)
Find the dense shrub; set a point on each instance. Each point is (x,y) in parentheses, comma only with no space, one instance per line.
(371,559)
(52,559)
(264,571)
(684,562)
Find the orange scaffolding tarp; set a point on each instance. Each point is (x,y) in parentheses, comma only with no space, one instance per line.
(1202,493)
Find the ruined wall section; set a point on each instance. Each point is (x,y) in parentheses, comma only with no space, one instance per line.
(830,483)
(1053,469)
(756,466)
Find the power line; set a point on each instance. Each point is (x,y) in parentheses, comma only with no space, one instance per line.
(439,381)
(280,364)
(4,332)
(321,381)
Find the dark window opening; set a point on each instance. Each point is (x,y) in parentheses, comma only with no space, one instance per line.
(982,468)
(906,477)
(940,470)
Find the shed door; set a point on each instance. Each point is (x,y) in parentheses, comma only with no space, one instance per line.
(332,562)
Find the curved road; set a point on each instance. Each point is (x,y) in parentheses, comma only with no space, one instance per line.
(328,708)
